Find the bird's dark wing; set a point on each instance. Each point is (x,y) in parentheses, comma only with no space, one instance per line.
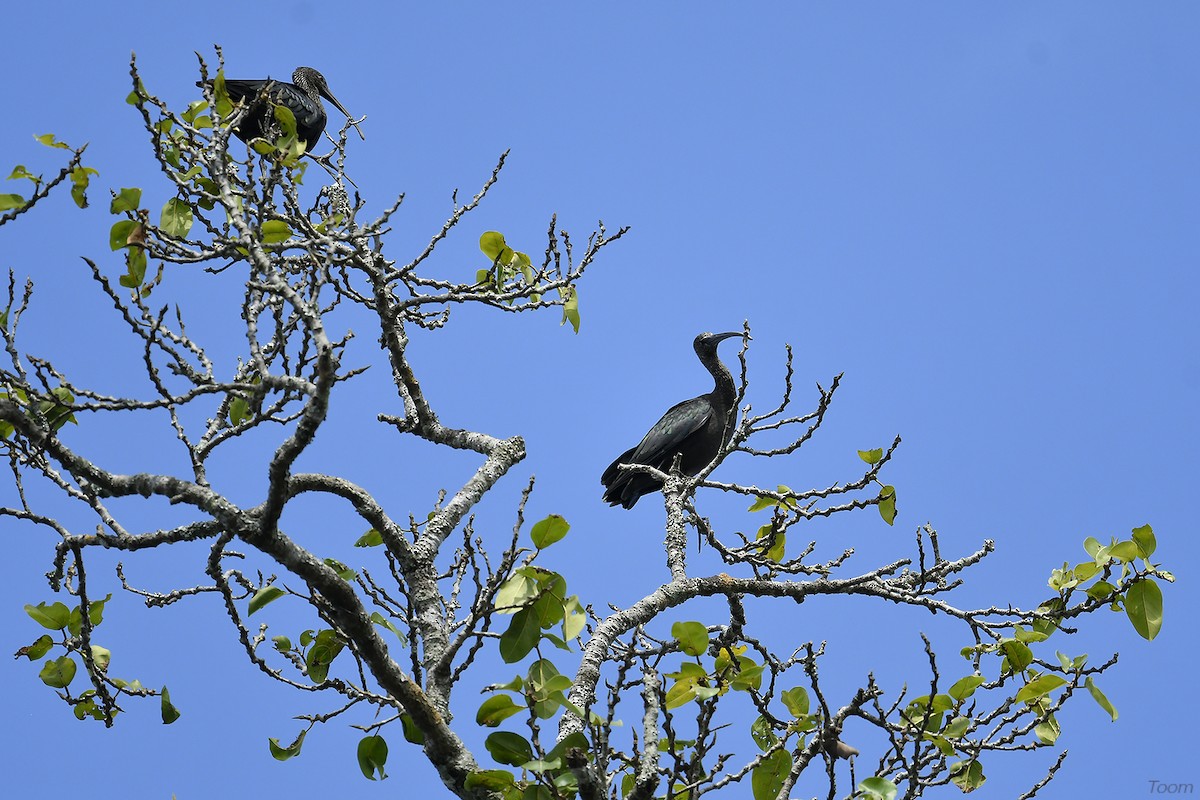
(310,115)
(613,472)
(659,446)
(243,89)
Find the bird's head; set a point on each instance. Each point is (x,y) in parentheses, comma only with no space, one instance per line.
(707,342)
(309,79)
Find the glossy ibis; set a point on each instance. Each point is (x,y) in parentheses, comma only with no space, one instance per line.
(695,429)
(303,96)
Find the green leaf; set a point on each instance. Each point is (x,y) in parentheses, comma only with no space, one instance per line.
(11,201)
(509,748)
(169,712)
(48,140)
(411,732)
(767,778)
(548,608)
(265,595)
(322,653)
(956,727)
(135,260)
(570,296)
(1017,655)
(681,692)
(1100,590)
(1124,551)
(495,710)
(1143,604)
(19,171)
(521,637)
(55,617)
(574,618)
(548,531)
(763,502)
(887,504)
(371,538)
(777,538)
(281,643)
(967,775)
(343,572)
(383,622)
(492,244)
(176,219)
(193,109)
(1041,685)
(761,733)
(101,657)
(87,708)
(692,637)
(138,94)
(521,588)
(796,701)
(372,755)
(96,610)
(877,789)
(121,232)
(80,178)
(1144,538)
(220,95)
(286,119)
(871,456)
(495,780)
(57,673)
(39,648)
(239,410)
(275,231)
(1047,732)
(748,677)
(291,751)
(1099,697)
(965,687)
(75,622)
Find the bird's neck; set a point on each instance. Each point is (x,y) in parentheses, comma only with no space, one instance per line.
(722,378)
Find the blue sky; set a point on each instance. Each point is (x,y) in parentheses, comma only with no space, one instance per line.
(984,216)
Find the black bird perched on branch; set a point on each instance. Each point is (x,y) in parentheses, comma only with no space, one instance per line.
(695,429)
(302,96)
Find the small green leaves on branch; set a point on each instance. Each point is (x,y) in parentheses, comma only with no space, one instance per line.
(877,789)
(691,636)
(49,140)
(767,778)
(54,410)
(372,755)
(325,648)
(266,594)
(127,200)
(169,712)
(1143,605)
(176,218)
(57,673)
(570,298)
(872,457)
(54,616)
(371,538)
(548,531)
(280,753)
(506,265)
(1142,598)
(496,709)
